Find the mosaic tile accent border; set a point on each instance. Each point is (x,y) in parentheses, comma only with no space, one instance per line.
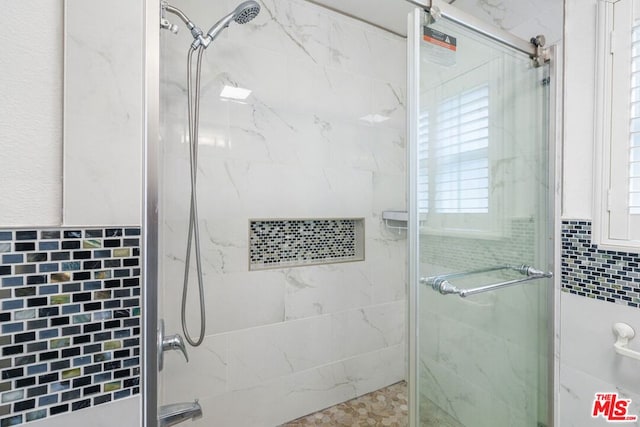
(70,320)
(595,273)
(299,242)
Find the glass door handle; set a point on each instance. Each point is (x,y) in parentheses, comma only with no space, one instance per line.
(442,284)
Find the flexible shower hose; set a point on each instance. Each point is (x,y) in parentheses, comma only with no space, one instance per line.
(193,99)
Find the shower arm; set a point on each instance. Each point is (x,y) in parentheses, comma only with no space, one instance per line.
(196,32)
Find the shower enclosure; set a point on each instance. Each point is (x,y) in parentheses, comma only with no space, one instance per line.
(320,135)
(481,228)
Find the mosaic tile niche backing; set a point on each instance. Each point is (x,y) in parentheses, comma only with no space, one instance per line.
(70,320)
(298,242)
(595,273)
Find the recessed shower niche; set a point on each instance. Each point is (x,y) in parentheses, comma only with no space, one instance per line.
(299,242)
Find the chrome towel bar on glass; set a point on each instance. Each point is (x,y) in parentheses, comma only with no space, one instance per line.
(441,283)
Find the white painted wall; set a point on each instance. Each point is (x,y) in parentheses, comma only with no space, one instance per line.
(579,101)
(31,113)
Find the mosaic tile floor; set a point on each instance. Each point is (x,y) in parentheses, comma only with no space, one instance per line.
(384,407)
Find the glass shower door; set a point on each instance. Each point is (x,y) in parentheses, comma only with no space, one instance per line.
(482,230)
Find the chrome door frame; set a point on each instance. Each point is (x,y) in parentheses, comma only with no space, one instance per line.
(555,131)
(149,374)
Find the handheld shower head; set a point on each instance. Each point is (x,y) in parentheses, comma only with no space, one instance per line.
(246,11)
(242,14)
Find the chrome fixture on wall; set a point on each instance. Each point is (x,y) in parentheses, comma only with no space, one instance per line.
(242,14)
(176,413)
(171,342)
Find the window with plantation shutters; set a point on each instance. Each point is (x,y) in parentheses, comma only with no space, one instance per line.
(453,140)
(634,123)
(461,153)
(619,207)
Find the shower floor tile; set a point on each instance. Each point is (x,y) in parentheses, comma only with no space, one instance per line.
(384,407)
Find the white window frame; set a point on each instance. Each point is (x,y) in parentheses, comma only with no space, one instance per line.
(614,227)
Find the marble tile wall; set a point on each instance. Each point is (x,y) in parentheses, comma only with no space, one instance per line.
(525,18)
(599,288)
(103,112)
(588,363)
(286,342)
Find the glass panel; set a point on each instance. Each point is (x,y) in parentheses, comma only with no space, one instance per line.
(482,360)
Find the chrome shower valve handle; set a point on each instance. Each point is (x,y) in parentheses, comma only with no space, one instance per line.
(171,342)
(175,342)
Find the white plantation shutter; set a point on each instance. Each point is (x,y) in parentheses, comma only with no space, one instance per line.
(634,131)
(453,149)
(461,154)
(621,216)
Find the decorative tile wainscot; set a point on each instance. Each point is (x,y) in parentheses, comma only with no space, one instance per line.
(596,273)
(70,320)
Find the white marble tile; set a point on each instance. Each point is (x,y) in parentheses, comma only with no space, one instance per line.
(256,407)
(124,413)
(285,398)
(344,380)
(390,101)
(351,47)
(464,401)
(541,16)
(376,327)
(377,369)
(329,93)
(577,393)
(239,300)
(388,284)
(389,58)
(233,301)
(587,338)
(242,65)
(260,354)
(103,79)
(504,370)
(389,192)
(204,375)
(316,290)
(298,29)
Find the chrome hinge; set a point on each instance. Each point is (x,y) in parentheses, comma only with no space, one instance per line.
(541,55)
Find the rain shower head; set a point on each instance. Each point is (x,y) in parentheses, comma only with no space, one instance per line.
(244,13)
